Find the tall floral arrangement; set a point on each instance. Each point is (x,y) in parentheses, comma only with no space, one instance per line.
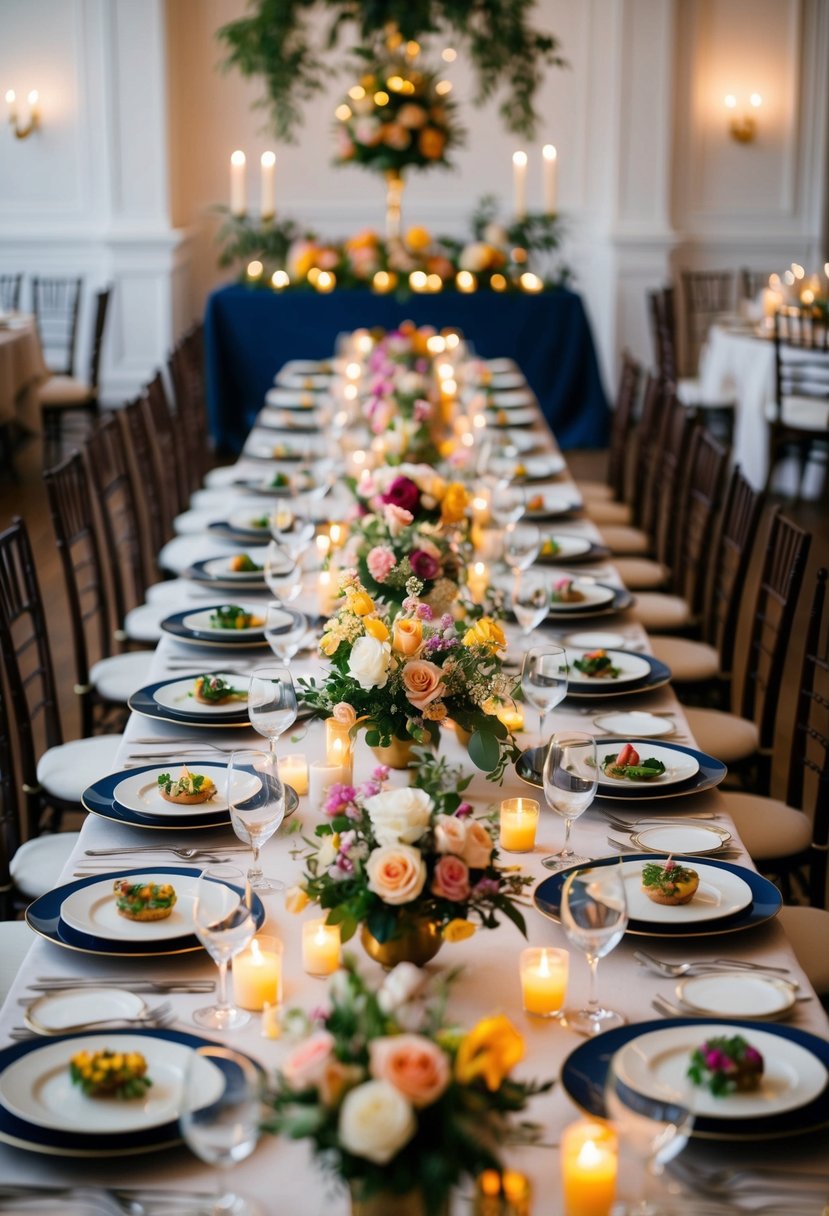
(396,1099)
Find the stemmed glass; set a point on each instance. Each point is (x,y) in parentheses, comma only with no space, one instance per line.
(256,798)
(224,924)
(225,1130)
(282,573)
(594,917)
(284,637)
(530,602)
(507,503)
(272,705)
(544,681)
(522,545)
(570,780)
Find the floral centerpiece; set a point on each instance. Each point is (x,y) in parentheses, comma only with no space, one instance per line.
(398,860)
(402,679)
(399,1103)
(411,524)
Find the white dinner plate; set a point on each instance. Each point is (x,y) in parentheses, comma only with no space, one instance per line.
(518,441)
(139,792)
(681,840)
(793,1076)
(264,445)
(737,994)
(291,397)
(510,380)
(596,639)
(542,503)
(219,567)
(501,364)
(593,596)
(632,723)
(631,667)
(568,546)
(61,1012)
(178,694)
(531,468)
(679,765)
(720,894)
(286,419)
(513,398)
(243,521)
(37,1087)
(306,382)
(524,415)
(199,622)
(92,910)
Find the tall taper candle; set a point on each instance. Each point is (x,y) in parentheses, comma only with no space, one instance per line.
(268,190)
(519,178)
(237,183)
(550,157)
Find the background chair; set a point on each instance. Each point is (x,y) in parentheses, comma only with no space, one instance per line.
(614,489)
(752,282)
(717,410)
(706,295)
(799,419)
(56,304)
(10,285)
(64,395)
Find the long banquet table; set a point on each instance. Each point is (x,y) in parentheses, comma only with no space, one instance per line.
(281,1174)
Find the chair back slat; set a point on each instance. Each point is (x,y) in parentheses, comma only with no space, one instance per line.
(648,432)
(168,447)
(620,431)
(707,461)
(752,282)
(669,475)
(705,295)
(56,304)
(187,374)
(102,300)
(733,546)
(662,315)
(10,286)
(152,498)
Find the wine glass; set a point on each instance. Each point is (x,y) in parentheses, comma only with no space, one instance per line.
(256,798)
(530,602)
(272,705)
(282,573)
(222,1130)
(655,1127)
(594,917)
(507,503)
(224,924)
(571,776)
(284,636)
(544,681)
(522,544)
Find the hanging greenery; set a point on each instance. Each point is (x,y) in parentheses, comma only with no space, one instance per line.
(281,41)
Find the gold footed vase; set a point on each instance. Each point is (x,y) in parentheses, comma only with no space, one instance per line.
(418,944)
(398,754)
(386,1203)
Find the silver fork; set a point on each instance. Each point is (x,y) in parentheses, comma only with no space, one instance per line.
(184,854)
(162,1015)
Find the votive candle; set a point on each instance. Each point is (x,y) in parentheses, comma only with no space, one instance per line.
(326,592)
(589,1164)
(519,821)
(320,779)
(293,770)
(543,973)
(320,947)
(338,747)
(257,974)
(477,580)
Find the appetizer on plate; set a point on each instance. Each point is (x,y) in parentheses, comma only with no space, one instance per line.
(669,883)
(279,481)
(241,563)
(599,664)
(727,1064)
(213,690)
(259,521)
(188,789)
(144,901)
(231,616)
(565,591)
(550,547)
(110,1074)
(626,764)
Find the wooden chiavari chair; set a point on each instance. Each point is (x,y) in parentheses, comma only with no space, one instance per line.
(56,304)
(706,294)
(799,423)
(10,287)
(615,488)
(62,396)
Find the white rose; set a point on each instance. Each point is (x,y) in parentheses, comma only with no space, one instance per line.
(369,662)
(326,852)
(376,1121)
(396,873)
(496,234)
(399,816)
(399,986)
(450,834)
(410,384)
(474,256)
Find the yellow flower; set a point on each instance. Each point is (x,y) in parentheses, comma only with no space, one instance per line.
(436,712)
(329,643)
(457,930)
(490,1050)
(376,628)
(359,602)
(418,239)
(454,504)
(446,447)
(485,632)
(296,900)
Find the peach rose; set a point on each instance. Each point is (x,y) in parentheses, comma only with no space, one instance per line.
(414,1065)
(450,834)
(422,682)
(306,1065)
(396,873)
(408,636)
(451,879)
(336,1079)
(477,849)
(344,713)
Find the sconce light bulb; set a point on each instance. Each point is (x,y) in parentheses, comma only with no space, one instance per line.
(730,101)
(34,97)
(11,96)
(756,100)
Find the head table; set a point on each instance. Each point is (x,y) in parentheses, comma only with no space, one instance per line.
(490,981)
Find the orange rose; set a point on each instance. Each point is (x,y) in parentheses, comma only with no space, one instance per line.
(413,1064)
(454,504)
(408,636)
(422,682)
(431,143)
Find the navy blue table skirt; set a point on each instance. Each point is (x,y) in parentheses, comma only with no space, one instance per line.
(251,333)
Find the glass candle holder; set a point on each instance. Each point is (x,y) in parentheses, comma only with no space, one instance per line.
(293,770)
(589,1165)
(519,822)
(544,973)
(257,974)
(320,947)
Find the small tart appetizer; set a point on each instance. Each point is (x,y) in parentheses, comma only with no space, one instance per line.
(188,788)
(599,664)
(144,901)
(550,547)
(520,470)
(566,592)
(727,1064)
(670,883)
(535,503)
(280,481)
(260,521)
(627,763)
(241,563)
(110,1074)
(231,616)
(213,690)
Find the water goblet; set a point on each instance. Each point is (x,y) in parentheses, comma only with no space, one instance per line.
(224,924)
(272,704)
(284,631)
(530,602)
(522,544)
(594,917)
(570,781)
(507,503)
(256,799)
(222,1130)
(282,573)
(544,681)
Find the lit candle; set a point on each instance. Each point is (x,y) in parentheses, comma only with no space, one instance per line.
(11,102)
(511,715)
(320,947)
(326,592)
(271,1028)
(257,974)
(384,281)
(466,282)
(531,282)
(519,821)
(519,179)
(280,279)
(325,281)
(293,770)
(337,532)
(477,580)
(543,980)
(589,1162)
(338,747)
(237,183)
(550,159)
(772,301)
(320,779)
(323,544)
(268,187)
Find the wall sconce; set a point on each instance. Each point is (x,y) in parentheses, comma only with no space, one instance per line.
(34,113)
(742,127)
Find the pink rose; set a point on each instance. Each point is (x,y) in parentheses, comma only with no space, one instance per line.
(306,1065)
(396,873)
(422,682)
(424,565)
(450,834)
(397,518)
(380,561)
(451,879)
(477,850)
(412,1064)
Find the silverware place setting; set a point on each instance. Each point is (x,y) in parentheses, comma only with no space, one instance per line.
(698,966)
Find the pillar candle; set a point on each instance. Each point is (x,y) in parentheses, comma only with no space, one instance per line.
(320,947)
(268,185)
(293,770)
(257,974)
(589,1162)
(550,167)
(519,821)
(519,180)
(237,183)
(326,592)
(543,980)
(338,746)
(320,779)
(477,580)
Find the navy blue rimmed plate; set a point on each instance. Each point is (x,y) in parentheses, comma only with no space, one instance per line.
(143,702)
(529,767)
(43,916)
(225,639)
(584,1073)
(252,582)
(658,675)
(766,901)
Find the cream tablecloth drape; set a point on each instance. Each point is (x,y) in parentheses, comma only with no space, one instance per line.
(21,370)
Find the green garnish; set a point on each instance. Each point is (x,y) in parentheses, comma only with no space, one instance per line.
(261,521)
(666,877)
(280,481)
(214,688)
(597,665)
(726,1064)
(646,770)
(231,616)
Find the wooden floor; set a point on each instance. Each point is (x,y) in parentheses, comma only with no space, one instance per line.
(26,497)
